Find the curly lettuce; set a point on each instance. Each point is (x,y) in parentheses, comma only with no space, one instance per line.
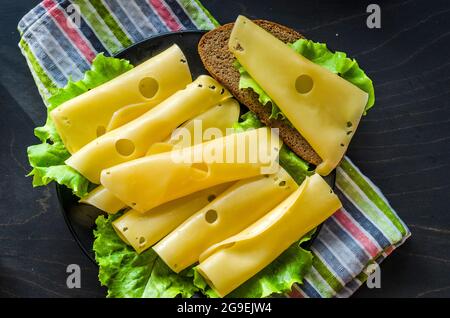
(128,274)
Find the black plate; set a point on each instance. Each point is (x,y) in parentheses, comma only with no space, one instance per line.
(80,218)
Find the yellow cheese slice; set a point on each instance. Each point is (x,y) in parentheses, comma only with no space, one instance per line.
(127,114)
(234,210)
(323,107)
(153,180)
(143,230)
(104,200)
(159,147)
(221,117)
(232,262)
(85,117)
(132,140)
(203,127)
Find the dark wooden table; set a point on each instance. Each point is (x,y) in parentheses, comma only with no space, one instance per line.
(403,145)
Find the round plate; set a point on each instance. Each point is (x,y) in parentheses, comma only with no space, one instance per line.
(80,218)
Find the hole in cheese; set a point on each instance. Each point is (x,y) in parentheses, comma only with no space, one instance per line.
(124,147)
(141,240)
(211,216)
(282,183)
(101,130)
(148,87)
(125,229)
(304,84)
(211,197)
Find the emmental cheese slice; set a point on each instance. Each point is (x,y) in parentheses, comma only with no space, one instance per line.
(153,180)
(104,200)
(209,125)
(323,107)
(234,210)
(143,230)
(133,139)
(219,118)
(230,263)
(86,117)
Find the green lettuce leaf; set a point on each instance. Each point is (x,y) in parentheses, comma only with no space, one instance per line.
(47,159)
(336,62)
(246,81)
(249,120)
(276,278)
(297,168)
(128,274)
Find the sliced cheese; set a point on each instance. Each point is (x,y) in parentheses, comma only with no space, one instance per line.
(104,200)
(221,117)
(230,263)
(143,230)
(85,117)
(159,147)
(234,210)
(127,114)
(203,127)
(153,180)
(322,106)
(132,140)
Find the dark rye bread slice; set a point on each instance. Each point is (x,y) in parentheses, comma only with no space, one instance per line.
(218,60)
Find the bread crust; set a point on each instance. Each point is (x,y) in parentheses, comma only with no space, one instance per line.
(218,60)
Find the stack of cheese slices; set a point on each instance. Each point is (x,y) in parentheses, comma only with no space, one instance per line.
(133,138)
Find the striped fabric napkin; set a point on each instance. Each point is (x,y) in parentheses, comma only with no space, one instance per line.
(355,238)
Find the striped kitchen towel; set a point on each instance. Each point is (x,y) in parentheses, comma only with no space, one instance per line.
(351,242)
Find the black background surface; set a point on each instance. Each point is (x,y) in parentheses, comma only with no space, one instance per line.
(403,145)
